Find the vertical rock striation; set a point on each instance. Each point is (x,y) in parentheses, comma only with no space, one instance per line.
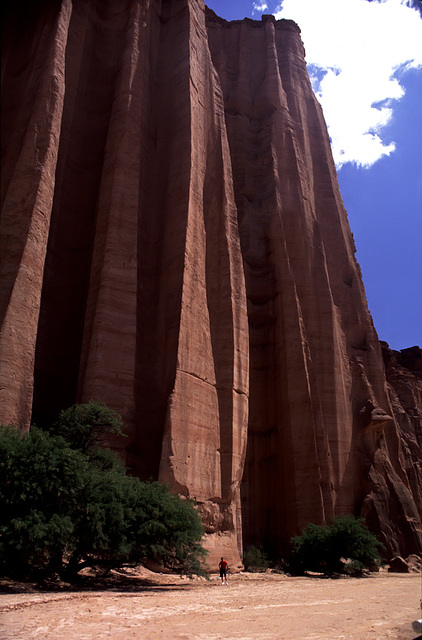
(388,494)
(174,243)
(319,412)
(33,89)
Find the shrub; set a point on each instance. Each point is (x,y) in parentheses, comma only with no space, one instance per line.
(166,528)
(84,426)
(62,509)
(255,559)
(344,545)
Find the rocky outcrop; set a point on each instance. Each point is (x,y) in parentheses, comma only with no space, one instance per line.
(401,500)
(176,245)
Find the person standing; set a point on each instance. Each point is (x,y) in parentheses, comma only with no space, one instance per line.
(223,565)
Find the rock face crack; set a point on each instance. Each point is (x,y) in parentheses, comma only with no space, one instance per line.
(174,244)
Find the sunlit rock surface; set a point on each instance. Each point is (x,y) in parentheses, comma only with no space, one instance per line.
(174,243)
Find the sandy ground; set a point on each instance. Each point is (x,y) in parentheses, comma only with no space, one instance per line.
(140,605)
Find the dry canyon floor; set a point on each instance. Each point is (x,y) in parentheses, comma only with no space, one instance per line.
(141,605)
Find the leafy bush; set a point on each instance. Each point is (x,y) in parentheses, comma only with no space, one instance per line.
(84,426)
(167,529)
(255,559)
(344,545)
(62,509)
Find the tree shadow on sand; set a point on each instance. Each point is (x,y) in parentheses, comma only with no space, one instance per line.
(117,581)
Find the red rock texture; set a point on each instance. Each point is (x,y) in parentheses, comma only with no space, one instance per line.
(398,490)
(174,243)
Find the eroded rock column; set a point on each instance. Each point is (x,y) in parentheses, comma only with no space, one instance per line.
(33,94)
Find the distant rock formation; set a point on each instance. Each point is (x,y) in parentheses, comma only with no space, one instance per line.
(174,243)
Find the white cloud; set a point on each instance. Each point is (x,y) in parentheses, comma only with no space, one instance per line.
(353,49)
(259,6)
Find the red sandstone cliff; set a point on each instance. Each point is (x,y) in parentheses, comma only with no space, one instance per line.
(388,494)
(174,243)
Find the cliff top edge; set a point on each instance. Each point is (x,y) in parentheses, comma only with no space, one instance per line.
(280,24)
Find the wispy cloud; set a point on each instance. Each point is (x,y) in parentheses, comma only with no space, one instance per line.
(355,52)
(259,7)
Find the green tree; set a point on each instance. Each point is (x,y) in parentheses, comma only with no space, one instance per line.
(84,426)
(60,511)
(255,559)
(343,545)
(167,529)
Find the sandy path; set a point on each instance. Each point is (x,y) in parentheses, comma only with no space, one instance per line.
(260,607)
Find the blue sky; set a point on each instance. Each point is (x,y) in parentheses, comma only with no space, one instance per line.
(365,63)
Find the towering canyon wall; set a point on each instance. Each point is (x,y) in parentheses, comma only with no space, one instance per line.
(174,243)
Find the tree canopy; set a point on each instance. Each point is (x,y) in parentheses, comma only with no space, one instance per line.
(65,504)
(345,545)
(84,426)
